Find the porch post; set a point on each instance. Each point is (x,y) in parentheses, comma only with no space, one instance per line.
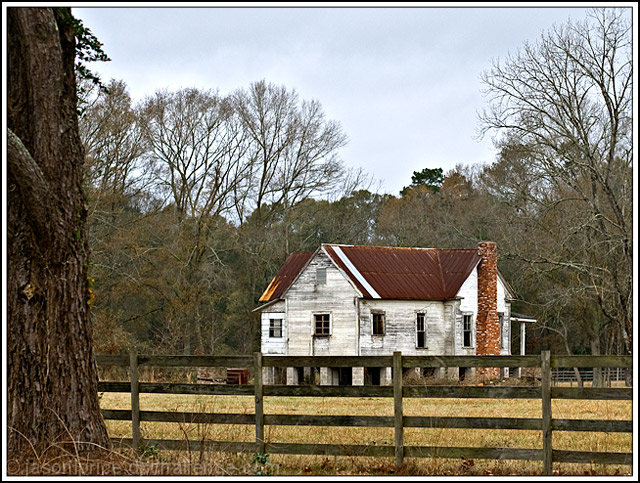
(292,376)
(357,376)
(326,376)
(523,330)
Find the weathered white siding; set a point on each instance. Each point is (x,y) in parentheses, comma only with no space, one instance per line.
(336,297)
(469,293)
(400,327)
(270,345)
(505,343)
(459,348)
(502,304)
(504,308)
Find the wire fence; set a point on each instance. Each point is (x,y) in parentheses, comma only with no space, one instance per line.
(609,376)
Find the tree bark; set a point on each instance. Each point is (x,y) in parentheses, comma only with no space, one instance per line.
(52,380)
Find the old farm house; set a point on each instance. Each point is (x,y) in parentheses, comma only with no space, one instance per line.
(366,300)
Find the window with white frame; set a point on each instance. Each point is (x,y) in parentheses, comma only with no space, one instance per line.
(275,328)
(421,331)
(467,330)
(322,324)
(501,322)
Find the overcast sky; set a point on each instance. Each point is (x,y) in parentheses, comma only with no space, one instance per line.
(403,82)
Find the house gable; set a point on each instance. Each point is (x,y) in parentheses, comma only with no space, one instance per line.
(332,265)
(310,295)
(306,277)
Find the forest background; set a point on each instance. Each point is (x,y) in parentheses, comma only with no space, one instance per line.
(195,199)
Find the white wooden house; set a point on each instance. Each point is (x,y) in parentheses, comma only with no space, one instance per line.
(366,300)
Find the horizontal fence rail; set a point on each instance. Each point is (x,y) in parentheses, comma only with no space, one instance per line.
(606,425)
(485,392)
(545,392)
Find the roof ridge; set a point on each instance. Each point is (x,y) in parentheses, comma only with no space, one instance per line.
(397,248)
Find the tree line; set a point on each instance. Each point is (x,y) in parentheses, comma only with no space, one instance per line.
(195,199)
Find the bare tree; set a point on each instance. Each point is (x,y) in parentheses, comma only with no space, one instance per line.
(52,381)
(293,147)
(566,102)
(111,133)
(198,143)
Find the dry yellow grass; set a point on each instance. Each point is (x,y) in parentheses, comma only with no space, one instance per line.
(218,463)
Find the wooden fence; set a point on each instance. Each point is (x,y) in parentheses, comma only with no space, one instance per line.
(545,392)
(608,376)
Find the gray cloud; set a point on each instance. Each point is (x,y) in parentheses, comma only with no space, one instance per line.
(404,82)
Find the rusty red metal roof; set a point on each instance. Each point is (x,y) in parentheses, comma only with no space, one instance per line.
(406,273)
(287,273)
(396,273)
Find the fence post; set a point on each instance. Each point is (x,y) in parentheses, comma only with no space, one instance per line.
(547,436)
(257,385)
(397,408)
(135,399)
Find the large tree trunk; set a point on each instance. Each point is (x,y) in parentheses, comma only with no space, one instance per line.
(52,381)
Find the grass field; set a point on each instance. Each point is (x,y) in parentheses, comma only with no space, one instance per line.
(174,462)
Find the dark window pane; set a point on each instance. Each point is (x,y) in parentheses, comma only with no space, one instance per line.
(467,338)
(322,324)
(275,328)
(466,331)
(420,331)
(378,324)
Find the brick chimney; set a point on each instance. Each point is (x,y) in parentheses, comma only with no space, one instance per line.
(487,322)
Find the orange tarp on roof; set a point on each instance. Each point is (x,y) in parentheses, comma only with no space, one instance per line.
(287,273)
